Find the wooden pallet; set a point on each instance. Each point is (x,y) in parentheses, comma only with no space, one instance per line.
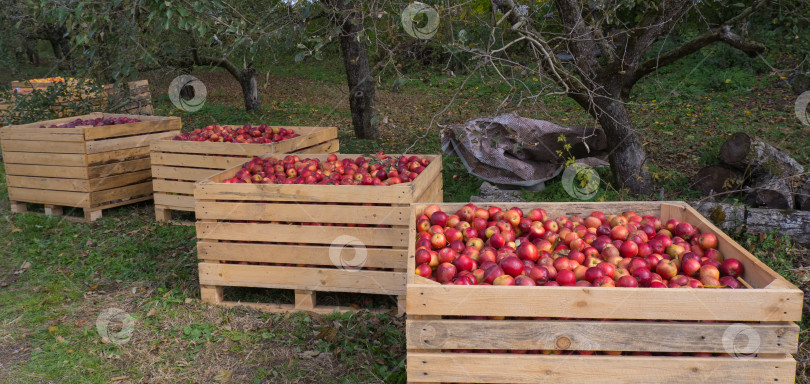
(268,228)
(177,165)
(92,168)
(441,332)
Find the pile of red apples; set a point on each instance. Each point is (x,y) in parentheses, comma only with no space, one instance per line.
(97,122)
(247,134)
(381,170)
(477,246)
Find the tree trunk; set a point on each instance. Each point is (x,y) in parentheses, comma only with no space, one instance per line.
(717,178)
(250,89)
(627,155)
(358,73)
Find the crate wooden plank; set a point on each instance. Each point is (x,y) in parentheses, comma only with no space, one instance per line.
(295,212)
(120,180)
(40,196)
(597,335)
(167,186)
(98,146)
(178,160)
(46,171)
(39,146)
(298,254)
(178,202)
(319,279)
(608,303)
(291,308)
(70,159)
(332,146)
(119,155)
(309,234)
(59,121)
(297,192)
(188,174)
(496,368)
(147,125)
(56,137)
(118,168)
(57,184)
(115,194)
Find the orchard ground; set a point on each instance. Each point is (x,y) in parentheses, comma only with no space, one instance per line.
(57,276)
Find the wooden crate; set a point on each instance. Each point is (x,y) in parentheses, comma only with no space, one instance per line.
(439,323)
(269,223)
(92,168)
(177,165)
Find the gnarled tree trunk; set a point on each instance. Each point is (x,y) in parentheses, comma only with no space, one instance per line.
(250,89)
(358,73)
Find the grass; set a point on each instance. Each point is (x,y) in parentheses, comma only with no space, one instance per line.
(57,276)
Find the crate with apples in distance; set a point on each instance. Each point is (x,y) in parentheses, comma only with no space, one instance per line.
(87,167)
(517,334)
(177,165)
(307,238)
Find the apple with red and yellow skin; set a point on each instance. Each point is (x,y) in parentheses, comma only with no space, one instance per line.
(438,241)
(732,267)
(539,274)
(695,283)
(430,210)
(620,272)
(445,272)
(447,255)
(690,267)
(730,282)
(504,280)
(423,270)
(667,269)
(709,271)
(528,251)
(525,281)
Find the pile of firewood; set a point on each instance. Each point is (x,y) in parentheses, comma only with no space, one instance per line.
(767,176)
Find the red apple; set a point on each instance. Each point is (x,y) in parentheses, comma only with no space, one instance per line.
(512,266)
(528,251)
(627,281)
(732,267)
(667,269)
(566,278)
(446,272)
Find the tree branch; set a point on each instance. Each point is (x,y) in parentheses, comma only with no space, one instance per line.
(217,62)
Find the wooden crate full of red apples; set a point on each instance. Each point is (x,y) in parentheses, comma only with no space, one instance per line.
(94,162)
(180,161)
(314,223)
(626,292)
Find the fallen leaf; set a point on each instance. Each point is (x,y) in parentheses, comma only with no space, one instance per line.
(223,376)
(25,265)
(152,312)
(60,339)
(189,300)
(309,354)
(15,229)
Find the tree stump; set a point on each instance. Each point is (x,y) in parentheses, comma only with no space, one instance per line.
(770,192)
(717,178)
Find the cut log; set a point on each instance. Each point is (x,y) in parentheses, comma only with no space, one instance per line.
(732,218)
(718,178)
(795,224)
(728,217)
(756,158)
(770,192)
(803,197)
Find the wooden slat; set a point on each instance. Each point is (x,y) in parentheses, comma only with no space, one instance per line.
(43,134)
(176,202)
(607,303)
(290,308)
(296,212)
(316,279)
(44,158)
(301,192)
(118,168)
(298,254)
(39,196)
(39,146)
(46,171)
(594,335)
(184,187)
(332,146)
(189,174)
(285,233)
(109,195)
(121,180)
(49,183)
(568,209)
(61,121)
(120,155)
(219,163)
(164,124)
(116,144)
(496,368)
